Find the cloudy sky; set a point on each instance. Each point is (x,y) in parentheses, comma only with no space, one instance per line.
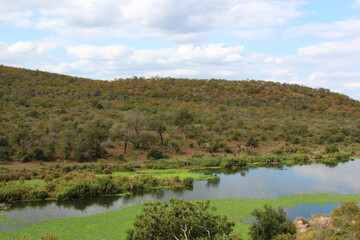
(309,42)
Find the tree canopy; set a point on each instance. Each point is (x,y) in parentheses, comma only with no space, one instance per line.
(179,219)
(270,223)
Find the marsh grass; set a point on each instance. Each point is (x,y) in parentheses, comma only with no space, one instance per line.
(165,173)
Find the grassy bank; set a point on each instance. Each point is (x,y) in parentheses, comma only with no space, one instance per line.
(113,224)
(88,181)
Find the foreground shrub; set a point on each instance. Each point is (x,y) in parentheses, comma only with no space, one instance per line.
(179,219)
(270,223)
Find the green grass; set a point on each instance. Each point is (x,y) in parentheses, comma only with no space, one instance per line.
(113,224)
(166,173)
(31,181)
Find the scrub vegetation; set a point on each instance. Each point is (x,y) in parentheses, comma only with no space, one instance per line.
(49,117)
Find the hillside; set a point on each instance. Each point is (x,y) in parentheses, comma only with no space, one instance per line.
(48,117)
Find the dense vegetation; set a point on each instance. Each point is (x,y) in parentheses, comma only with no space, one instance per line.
(180,219)
(48,117)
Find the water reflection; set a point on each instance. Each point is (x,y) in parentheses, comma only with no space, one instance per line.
(244,183)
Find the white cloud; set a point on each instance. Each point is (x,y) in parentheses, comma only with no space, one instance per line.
(20,19)
(254,34)
(357,4)
(98,53)
(332,48)
(26,53)
(210,53)
(165,17)
(28,47)
(334,30)
(184,54)
(276,60)
(354,84)
(187,38)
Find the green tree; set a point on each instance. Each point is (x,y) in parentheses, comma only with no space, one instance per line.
(346,219)
(270,223)
(67,138)
(5,150)
(179,219)
(136,121)
(182,118)
(157,123)
(122,132)
(94,133)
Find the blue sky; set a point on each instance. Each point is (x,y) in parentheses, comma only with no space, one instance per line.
(312,43)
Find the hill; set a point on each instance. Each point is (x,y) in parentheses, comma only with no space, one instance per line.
(47,117)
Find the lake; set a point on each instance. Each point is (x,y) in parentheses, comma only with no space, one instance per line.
(252,183)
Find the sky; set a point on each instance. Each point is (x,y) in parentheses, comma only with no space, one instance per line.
(312,43)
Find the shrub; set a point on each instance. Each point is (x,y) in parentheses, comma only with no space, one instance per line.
(25,159)
(270,223)
(38,194)
(252,142)
(155,153)
(332,149)
(66,168)
(77,191)
(79,156)
(173,144)
(119,157)
(38,154)
(5,153)
(342,156)
(188,181)
(179,219)
(106,186)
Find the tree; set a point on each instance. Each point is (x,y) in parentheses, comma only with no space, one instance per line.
(346,220)
(157,123)
(270,223)
(136,121)
(122,132)
(179,219)
(95,133)
(67,141)
(183,117)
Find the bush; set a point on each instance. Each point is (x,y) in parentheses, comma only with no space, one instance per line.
(77,191)
(5,153)
(79,156)
(252,142)
(179,219)
(342,156)
(66,168)
(106,186)
(332,149)
(38,154)
(173,144)
(270,223)
(119,157)
(155,153)
(39,194)
(188,182)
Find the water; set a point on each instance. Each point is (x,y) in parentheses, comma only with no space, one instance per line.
(253,183)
